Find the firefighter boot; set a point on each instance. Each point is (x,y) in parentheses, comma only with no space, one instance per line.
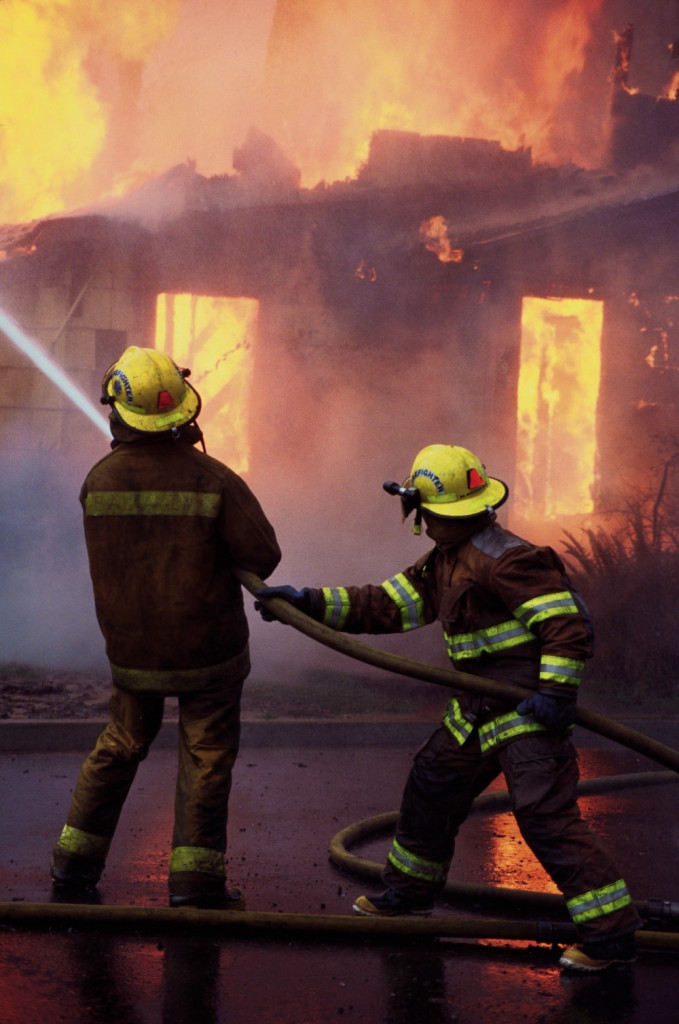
(74,875)
(226,898)
(392,904)
(597,956)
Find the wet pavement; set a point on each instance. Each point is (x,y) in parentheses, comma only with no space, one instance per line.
(287,804)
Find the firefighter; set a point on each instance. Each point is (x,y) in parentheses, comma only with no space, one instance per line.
(164,525)
(508,612)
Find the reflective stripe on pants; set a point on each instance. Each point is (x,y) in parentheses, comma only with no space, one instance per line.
(209,735)
(541,773)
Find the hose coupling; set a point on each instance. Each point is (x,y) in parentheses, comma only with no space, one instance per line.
(663,911)
(555,933)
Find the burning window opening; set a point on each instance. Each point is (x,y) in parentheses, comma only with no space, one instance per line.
(213,337)
(558,390)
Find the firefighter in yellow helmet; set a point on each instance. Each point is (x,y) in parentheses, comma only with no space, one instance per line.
(165,524)
(508,612)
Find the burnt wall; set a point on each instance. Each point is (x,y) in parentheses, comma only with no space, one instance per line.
(84,290)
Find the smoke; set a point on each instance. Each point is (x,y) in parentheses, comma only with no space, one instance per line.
(46,608)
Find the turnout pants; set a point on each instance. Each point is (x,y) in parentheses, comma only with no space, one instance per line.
(541,772)
(209,735)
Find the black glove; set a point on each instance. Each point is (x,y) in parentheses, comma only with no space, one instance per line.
(297,598)
(555,713)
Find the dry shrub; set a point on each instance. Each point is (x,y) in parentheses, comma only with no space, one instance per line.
(633,594)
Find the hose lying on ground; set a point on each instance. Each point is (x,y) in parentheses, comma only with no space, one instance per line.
(655,910)
(155,920)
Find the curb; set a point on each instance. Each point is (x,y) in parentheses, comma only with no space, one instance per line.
(79,735)
(62,735)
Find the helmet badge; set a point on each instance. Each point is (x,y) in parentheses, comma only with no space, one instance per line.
(165,401)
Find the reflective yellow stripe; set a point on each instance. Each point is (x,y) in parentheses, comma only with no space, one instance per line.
(407,600)
(487,641)
(84,844)
(504,728)
(417,867)
(598,902)
(337,606)
(152,503)
(546,607)
(491,734)
(197,858)
(561,670)
(456,724)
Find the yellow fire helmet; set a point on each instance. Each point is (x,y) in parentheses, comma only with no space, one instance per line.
(149,392)
(452,481)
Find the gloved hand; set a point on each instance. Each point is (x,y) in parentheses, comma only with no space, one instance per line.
(555,713)
(297,598)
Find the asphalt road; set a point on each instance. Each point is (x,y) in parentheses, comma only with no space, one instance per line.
(287,803)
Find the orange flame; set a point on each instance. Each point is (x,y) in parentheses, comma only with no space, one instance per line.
(557,397)
(68,72)
(213,337)
(339,70)
(97,93)
(434,234)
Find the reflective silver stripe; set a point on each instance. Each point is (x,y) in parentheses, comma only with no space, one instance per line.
(598,902)
(337,606)
(407,600)
(454,721)
(197,858)
(506,727)
(417,867)
(554,669)
(152,503)
(546,607)
(487,641)
(85,844)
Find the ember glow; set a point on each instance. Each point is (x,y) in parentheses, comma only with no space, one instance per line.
(556,417)
(213,338)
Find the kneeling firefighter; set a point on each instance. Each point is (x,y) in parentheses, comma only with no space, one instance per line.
(165,524)
(508,612)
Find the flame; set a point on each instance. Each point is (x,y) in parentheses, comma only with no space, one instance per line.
(98,96)
(68,70)
(339,70)
(434,235)
(557,397)
(213,337)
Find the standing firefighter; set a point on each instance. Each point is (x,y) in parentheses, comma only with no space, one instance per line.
(508,612)
(165,524)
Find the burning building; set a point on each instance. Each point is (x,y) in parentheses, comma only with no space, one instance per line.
(452,290)
(455,287)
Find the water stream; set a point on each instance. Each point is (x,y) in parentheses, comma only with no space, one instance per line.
(36,353)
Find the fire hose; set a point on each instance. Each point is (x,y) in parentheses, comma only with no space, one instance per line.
(154,919)
(451,677)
